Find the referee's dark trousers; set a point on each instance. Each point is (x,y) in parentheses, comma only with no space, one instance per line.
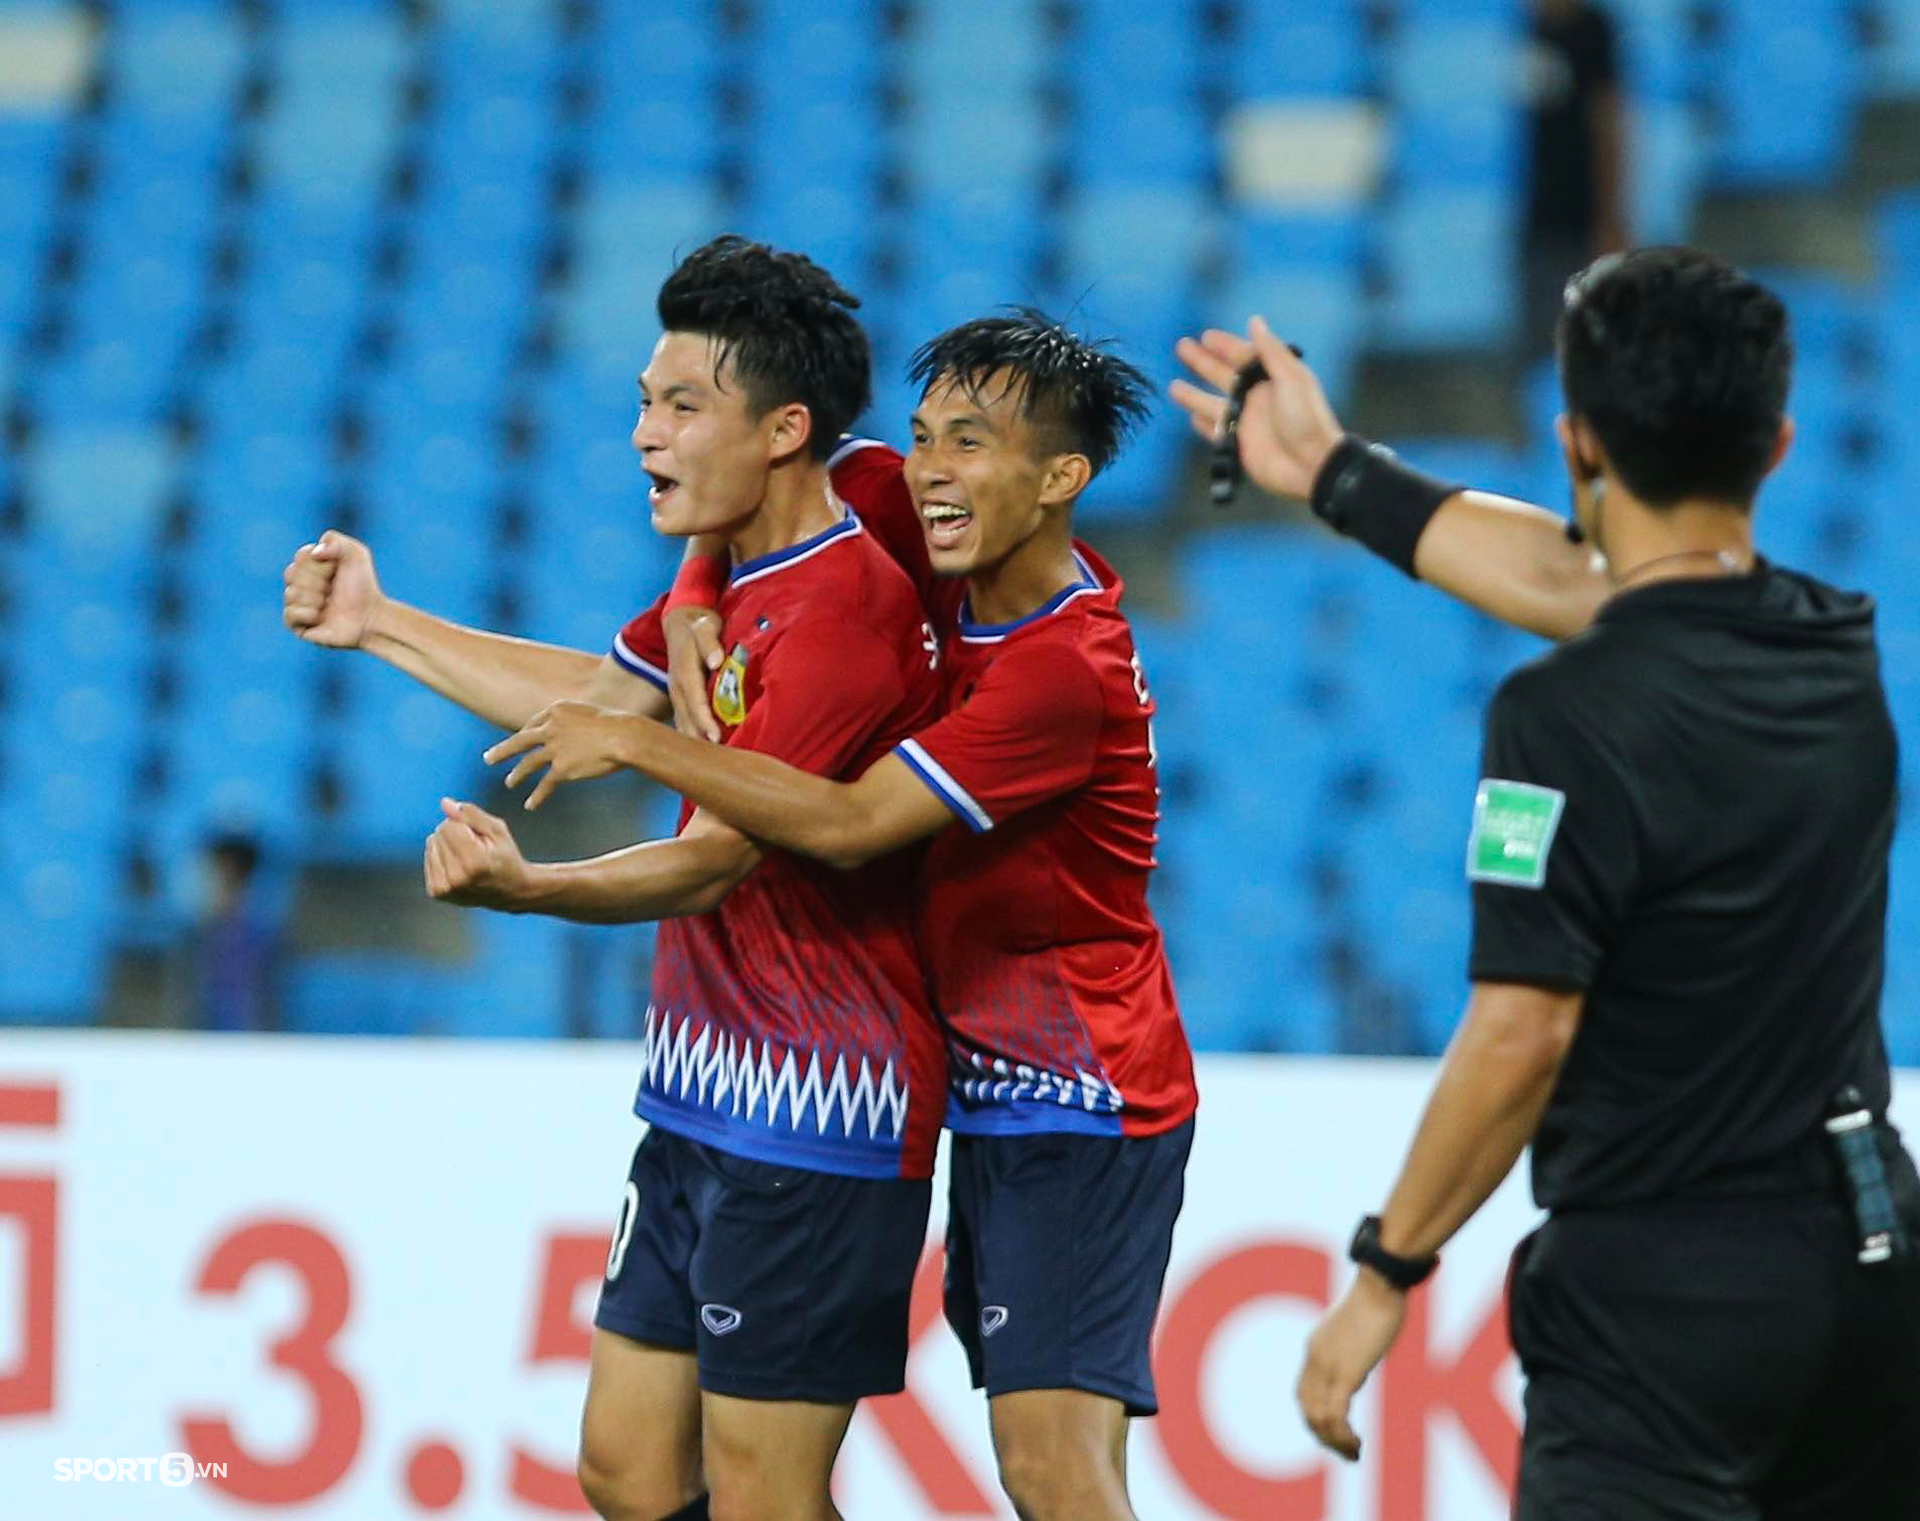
(1722,1354)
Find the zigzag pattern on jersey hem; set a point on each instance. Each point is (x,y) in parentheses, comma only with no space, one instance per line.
(977,1079)
(737,1076)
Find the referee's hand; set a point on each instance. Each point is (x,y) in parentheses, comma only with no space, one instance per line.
(1345,1347)
(1287,428)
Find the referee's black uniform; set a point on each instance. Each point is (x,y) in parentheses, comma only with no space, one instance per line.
(1686,811)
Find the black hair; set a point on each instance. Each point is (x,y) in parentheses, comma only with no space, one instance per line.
(240,851)
(1078,391)
(784,322)
(1679,362)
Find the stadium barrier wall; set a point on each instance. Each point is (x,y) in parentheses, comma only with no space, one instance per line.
(355,1279)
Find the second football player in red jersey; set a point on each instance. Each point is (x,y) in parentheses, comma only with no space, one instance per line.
(1071,1084)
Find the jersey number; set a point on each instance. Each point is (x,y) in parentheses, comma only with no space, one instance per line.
(1146,698)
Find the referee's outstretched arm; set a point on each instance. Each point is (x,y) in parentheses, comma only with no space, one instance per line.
(1513,561)
(1494,1084)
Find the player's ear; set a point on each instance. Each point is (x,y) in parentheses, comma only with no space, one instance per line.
(1781,444)
(1586,459)
(1064,478)
(791,428)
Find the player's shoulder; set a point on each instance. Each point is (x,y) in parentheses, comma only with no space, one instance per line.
(1564,671)
(1579,700)
(855,591)
(862,467)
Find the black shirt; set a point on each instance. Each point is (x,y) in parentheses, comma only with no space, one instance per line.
(1702,785)
(1570,61)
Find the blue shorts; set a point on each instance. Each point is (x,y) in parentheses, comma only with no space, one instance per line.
(788,1284)
(1057,1248)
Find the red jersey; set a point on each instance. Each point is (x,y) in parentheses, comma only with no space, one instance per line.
(791,1024)
(1046,964)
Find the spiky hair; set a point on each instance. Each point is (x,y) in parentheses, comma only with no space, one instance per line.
(1077,392)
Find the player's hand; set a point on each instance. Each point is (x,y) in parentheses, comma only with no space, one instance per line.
(693,655)
(1286,429)
(1345,1347)
(575,741)
(471,858)
(332,595)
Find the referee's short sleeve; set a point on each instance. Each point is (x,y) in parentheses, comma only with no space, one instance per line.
(1552,853)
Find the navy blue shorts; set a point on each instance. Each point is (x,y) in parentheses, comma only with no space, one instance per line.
(1057,1248)
(788,1284)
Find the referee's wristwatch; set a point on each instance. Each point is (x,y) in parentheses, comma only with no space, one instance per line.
(1401,1272)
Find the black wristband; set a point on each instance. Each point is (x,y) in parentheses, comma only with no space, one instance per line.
(1367,492)
(1401,1272)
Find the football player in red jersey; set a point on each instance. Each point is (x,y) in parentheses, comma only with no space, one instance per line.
(1071,1085)
(762,1266)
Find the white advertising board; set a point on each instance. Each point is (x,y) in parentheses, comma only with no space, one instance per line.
(361,1275)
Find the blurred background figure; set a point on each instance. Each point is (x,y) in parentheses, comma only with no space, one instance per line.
(1575,162)
(237,946)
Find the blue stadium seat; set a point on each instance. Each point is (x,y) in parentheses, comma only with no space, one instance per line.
(1449,257)
(1473,141)
(1773,51)
(516,985)
(1897,229)
(670,133)
(399,750)
(827,136)
(653,46)
(59,912)
(1434,62)
(1149,237)
(830,219)
(341,993)
(1658,59)
(171,65)
(1141,482)
(1014,154)
(1282,48)
(1133,52)
(1896,59)
(1669,153)
(813,51)
(630,234)
(998,47)
(98,490)
(1151,139)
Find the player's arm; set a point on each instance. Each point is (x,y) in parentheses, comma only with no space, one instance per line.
(1028,733)
(1509,559)
(472,859)
(1499,1072)
(333,599)
(845,824)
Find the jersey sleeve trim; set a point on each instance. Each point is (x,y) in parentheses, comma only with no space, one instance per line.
(850,445)
(943,785)
(625,656)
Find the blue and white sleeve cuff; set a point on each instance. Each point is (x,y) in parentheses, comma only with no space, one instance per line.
(944,786)
(627,660)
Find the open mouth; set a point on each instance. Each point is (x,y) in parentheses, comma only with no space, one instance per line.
(946,523)
(663,487)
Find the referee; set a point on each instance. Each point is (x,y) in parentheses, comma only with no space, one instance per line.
(1678,861)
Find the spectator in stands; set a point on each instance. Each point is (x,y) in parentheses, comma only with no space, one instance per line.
(237,945)
(1575,152)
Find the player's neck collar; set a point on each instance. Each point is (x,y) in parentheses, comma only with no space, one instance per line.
(780,559)
(992,633)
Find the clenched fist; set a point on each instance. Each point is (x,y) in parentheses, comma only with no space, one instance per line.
(332,595)
(472,859)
